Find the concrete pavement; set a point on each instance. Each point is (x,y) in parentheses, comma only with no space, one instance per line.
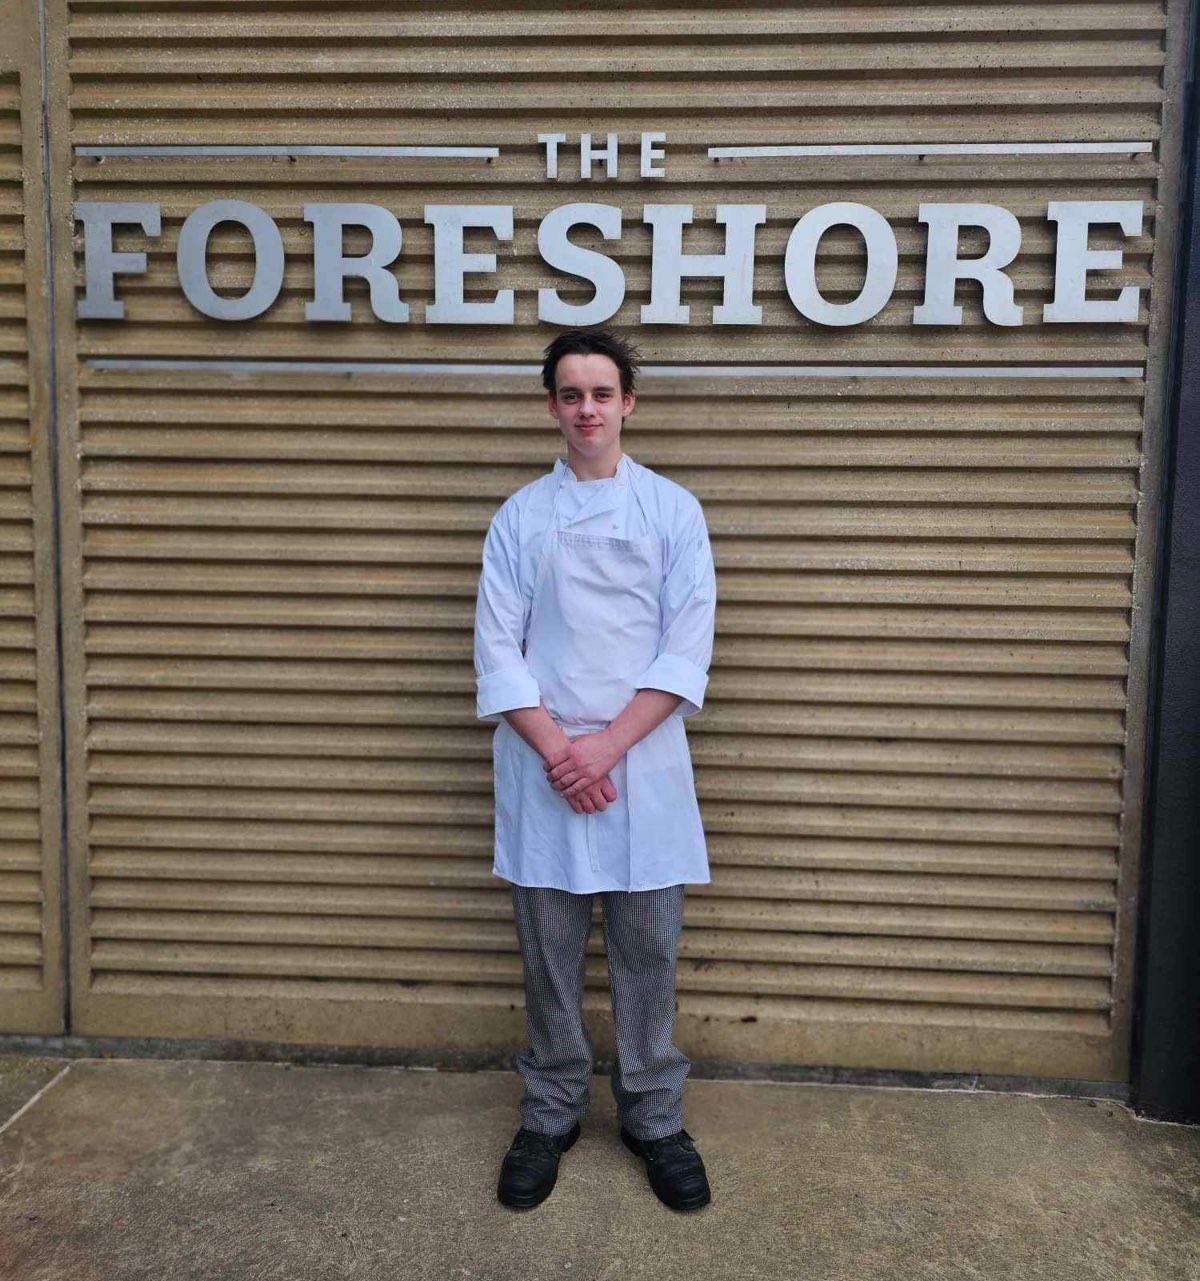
(242,1171)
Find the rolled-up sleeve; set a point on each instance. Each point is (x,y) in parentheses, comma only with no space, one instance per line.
(502,679)
(689,601)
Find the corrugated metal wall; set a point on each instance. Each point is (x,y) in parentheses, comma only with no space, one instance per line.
(919,767)
(31,969)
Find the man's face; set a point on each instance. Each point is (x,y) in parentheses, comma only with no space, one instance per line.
(588,403)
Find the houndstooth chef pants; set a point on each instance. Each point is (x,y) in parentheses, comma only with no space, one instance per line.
(641,938)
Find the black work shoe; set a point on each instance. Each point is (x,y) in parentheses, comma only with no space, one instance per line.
(530,1167)
(675,1169)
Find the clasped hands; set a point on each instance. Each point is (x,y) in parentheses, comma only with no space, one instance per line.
(579,771)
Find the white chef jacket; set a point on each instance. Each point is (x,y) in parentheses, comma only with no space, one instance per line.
(651,836)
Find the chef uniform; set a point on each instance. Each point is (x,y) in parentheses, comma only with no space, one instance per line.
(590,591)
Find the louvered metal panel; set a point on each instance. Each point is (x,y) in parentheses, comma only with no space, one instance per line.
(919,764)
(31,969)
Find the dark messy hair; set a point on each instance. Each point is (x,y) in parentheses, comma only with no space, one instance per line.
(591,342)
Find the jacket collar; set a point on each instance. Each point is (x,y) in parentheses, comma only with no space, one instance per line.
(565,475)
(604,497)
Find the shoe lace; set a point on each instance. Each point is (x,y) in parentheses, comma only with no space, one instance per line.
(528,1140)
(672,1144)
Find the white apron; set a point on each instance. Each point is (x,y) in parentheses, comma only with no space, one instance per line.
(595,625)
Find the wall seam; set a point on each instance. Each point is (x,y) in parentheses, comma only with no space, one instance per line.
(56,515)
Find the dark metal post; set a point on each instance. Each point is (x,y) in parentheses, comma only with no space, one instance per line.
(1166,1064)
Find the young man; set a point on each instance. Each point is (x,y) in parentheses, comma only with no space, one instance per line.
(593,637)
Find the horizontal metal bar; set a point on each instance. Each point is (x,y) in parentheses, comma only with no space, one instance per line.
(932,149)
(139,149)
(897,371)
(218,366)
